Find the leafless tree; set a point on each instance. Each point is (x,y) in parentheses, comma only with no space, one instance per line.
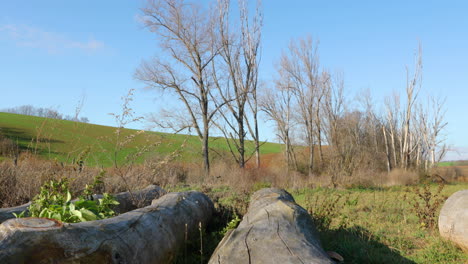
(186,34)
(240,55)
(299,73)
(278,106)
(413,85)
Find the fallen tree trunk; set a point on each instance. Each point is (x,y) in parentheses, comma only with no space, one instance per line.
(274,230)
(127,201)
(453,219)
(7,213)
(152,234)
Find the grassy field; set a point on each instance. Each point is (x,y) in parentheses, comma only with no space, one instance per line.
(453,163)
(364,225)
(68,141)
(380,225)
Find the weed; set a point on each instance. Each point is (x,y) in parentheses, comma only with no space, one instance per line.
(427,203)
(325,208)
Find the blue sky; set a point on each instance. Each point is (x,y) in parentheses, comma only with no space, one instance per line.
(52,53)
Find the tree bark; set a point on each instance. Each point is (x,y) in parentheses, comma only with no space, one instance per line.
(453,219)
(387,150)
(152,234)
(274,230)
(126,202)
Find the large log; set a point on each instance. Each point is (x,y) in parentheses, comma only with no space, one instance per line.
(7,213)
(453,219)
(127,201)
(152,234)
(274,230)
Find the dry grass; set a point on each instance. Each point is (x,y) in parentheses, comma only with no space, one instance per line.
(21,182)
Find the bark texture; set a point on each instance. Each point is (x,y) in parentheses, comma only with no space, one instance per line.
(152,234)
(274,230)
(453,219)
(128,201)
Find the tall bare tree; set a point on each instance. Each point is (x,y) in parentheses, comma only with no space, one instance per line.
(278,106)
(299,73)
(186,34)
(413,85)
(240,53)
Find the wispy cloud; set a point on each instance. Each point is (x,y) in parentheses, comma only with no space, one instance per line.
(52,42)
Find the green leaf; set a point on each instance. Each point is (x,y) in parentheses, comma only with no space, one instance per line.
(68,197)
(77,213)
(88,215)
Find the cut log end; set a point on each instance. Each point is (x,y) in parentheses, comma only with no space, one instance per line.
(33,223)
(453,219)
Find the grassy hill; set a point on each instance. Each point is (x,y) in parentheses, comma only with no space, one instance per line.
(67,141)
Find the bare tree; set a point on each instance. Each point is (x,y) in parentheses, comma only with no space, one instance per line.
(240,58)
(392,106)
(278,106)
(413,86)
(186,34)
(299,73)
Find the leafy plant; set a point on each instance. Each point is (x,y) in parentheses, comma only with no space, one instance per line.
(231,225)
(54,201)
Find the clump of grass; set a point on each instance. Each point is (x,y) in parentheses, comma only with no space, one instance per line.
(325,208)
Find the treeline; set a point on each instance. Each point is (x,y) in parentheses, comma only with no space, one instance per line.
(43,112)
(407,134)
(210,61)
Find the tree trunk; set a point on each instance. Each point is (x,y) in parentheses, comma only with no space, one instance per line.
(152,234)
(240,123)
(126,199)
(274,230)
(205,150)
(311,158)
(387,150)
(453,219)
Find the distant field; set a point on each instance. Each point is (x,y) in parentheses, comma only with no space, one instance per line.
(65,141)
(453,163)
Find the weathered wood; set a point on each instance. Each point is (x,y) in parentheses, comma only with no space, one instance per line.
(128,201)
(7,213)
(453,219)
(274,230)
(152,234)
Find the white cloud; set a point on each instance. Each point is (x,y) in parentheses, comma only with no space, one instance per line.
(33,37)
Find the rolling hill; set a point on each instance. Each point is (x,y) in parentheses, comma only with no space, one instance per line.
(68,141)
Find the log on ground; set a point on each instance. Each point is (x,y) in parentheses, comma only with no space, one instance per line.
(274,230)
(453,219)
(127,201)
(152,234)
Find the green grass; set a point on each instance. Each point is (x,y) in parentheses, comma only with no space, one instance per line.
(66,141)
(453,163)
(380,226)
(374,225)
